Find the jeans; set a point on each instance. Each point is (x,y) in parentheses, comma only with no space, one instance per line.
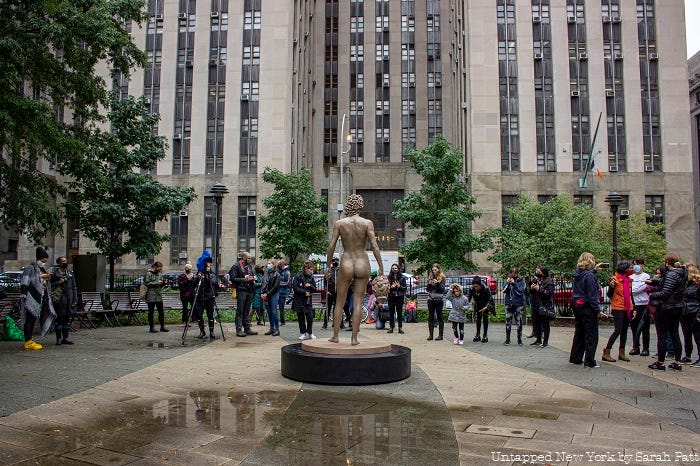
(281,301)
(666,321)
(272,305)
(640,325)
(514,313)
(244,299)
(621,325)
(479,317)
(395,309)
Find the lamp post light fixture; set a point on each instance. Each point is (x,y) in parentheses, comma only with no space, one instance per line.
(614,200)
(218,191)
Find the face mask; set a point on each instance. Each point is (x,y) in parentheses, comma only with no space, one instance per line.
(539,275)
(435,271)
(249,261)
(637,268)
(269,266)
(63,266)
(334,264)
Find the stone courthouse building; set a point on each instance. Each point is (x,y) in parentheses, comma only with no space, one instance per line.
(517,85)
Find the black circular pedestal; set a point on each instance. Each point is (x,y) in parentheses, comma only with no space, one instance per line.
(346,369)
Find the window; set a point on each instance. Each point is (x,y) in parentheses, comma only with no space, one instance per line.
(408,52)
(357,52)
(654,206)
(178,239)
(252,20)
(408,23)
(382,24)
(246,224)
(382,52)
(357,24)
(408,79)
(379,205)
(507,201)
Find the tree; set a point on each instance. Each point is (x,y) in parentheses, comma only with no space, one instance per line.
(48,54)
(294,224)
(441,210)
(117,208)
(556,232)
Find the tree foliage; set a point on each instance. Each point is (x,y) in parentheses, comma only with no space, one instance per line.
(119,205)
(442,211)
(48,53)
(294,224)
(556,232)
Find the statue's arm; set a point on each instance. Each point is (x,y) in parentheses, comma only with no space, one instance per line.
(374,246)
(334,241)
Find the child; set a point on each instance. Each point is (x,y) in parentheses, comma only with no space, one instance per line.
(458,314)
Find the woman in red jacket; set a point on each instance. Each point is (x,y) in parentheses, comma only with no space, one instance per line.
(620,293)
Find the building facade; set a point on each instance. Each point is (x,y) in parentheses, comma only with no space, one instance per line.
(694,88)
(347,87)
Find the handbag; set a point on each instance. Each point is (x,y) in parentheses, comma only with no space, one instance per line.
(143,289)
(234,294)
(548,311)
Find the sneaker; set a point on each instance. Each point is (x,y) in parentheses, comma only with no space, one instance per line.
(696,363)
(240,333)
(686,359)
(634,352)
(455,341)
(276,333)
(303,336)
(657,366)
(644,352)
(476,338)
(507,342)
(675,366)
(592,365)
(250,332)
(269,332)
(311,336)
(535,343)
(460,342)
(520,342)
(484,340)
(32,345)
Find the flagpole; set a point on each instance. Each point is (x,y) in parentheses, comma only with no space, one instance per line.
(583,182)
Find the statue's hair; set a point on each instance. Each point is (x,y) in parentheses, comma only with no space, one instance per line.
(353,205)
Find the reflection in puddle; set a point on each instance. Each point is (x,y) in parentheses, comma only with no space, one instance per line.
(267,427)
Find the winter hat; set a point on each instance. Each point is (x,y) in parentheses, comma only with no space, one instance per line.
(477,281)
(41,253)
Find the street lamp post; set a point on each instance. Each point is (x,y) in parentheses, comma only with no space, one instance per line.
(614,200)
(218,191)
(341,157)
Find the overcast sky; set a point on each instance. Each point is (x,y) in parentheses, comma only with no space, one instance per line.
(692,15)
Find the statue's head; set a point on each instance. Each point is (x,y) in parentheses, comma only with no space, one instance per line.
(353,205)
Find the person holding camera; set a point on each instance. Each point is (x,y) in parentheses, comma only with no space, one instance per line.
(304,286)
(186,284)
(330,279)
(436,291)
(270,296)
(154,295)
(514,291)
(206,298)
(243,279)
(541,292)
(64,295)
(397,290)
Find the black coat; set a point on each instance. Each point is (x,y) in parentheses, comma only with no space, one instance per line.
(299,281)
(671,295)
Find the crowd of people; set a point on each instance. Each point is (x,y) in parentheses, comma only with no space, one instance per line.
(670,298)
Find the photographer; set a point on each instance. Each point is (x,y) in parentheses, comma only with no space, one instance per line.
(154,296)
(206,298)
(64,296)
(514,290)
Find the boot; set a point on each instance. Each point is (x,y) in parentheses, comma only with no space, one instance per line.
(430,329)
(507,342)
(66,329)
(152,328)
(520,337)
(606,355)
(621,355)
(441,327)
(59,336)
(211,330)
(201,329)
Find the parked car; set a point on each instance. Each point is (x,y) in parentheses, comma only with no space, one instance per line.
(10,279)
(466,281)
(563,295)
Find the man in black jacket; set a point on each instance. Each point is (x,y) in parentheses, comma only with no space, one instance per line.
(205,299)
(243,279)
(304,287)
(64,295)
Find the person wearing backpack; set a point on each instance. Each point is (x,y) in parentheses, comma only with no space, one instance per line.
(64,296)
(668,315)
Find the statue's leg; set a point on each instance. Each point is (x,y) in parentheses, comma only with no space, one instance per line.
(340,297)
(360,289)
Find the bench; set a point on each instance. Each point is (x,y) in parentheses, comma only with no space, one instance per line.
(126,305)
(224,301)
(9,306)
(94,304)
(171,301)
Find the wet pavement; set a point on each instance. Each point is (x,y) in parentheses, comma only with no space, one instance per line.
(124,396)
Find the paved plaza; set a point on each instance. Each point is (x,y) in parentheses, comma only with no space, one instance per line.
(124,396)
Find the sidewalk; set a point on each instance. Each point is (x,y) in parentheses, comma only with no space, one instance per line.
(124,396)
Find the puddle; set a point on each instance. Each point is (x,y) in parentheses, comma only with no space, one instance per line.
(310,426)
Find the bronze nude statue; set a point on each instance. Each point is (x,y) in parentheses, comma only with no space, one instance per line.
(354,231)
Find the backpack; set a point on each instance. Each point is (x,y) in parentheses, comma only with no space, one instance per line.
(56,293)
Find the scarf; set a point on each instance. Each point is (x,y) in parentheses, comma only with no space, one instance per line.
(626,282)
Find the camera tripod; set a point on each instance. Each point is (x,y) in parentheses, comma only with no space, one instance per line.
(215,313)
